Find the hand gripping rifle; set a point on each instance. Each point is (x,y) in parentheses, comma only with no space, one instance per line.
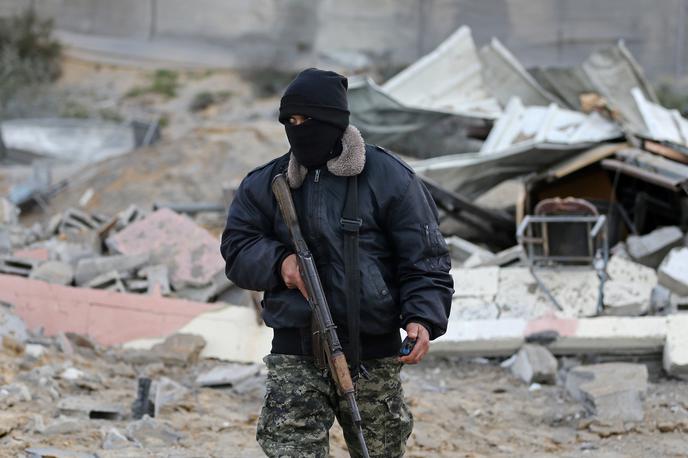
(318,303)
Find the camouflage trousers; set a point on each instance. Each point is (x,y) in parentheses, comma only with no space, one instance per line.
(301,403)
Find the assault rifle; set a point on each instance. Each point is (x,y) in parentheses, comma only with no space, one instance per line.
(321,311)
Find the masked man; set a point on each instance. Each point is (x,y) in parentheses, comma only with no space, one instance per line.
(396,278)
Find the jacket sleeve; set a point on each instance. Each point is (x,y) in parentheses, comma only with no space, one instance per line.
(253,256)
(423,261)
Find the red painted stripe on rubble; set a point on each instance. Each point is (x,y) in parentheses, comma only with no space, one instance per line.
(564,326)
(108,317)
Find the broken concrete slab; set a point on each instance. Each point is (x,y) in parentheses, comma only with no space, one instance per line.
(187,249)
(87,407)
(535,364)
(504,257)
(503,337)
(673,271)
(610,391)
(227,375)
(14,393)
(111,281)
(628,289)
(152,433)
(90,268)
(478,282)
(675,357)
(179,349)
(650,249)
(108,318)
(57,272)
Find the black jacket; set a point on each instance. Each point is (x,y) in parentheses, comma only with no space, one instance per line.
(404,260)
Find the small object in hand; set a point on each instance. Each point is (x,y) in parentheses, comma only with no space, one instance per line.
(407,346)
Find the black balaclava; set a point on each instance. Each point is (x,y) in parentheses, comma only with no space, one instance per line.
(321,96)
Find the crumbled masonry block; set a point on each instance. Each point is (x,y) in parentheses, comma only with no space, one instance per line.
(168,393)
(628,288)
(57,272)
(179,349)
(11,325)
(150,432)
(611,391)
(17,266)
(187,249)
(535,364)
(676,346)
(673,272)
(90,268)
(115,440)
(158,279)
(505,257)
(111,281)
(650,249)
(661,300)
(88,407)
(9,214)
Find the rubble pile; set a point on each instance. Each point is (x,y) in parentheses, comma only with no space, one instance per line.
(161,253)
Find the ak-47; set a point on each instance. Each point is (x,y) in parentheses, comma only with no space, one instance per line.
(321,311)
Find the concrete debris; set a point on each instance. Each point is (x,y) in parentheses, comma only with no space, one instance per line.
(650,249)
(14,393)
(535,364)
(168,393)
(673,271)
(74,220)
(111,281)
(158,279)
(52,452)
(90,268)
(11,325)
(611,391)
(17,266)
(87,407)
(115,440)
(661,301)
(152,433)
(676,347)
(189,251)
(180,349)
(628,290)
(9,214)
(461,249)
(227,375)
(57,272)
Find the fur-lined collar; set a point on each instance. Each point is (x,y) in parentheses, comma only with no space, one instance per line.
(347,164)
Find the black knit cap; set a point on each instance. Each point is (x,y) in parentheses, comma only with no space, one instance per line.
(318,94)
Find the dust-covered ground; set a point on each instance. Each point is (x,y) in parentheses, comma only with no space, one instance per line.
(461,408)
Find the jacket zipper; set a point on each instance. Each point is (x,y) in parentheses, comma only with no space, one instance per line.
(317,175)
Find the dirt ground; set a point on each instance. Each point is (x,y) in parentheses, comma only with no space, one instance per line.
(462,408)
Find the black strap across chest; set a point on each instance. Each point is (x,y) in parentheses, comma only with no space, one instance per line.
(351,224)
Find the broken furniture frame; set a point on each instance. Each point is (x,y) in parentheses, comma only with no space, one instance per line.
(598,253)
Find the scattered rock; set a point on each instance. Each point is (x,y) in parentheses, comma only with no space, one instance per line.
(673,272)
(57,272)
(14,393)
(167,393)
(115,440)
(9,422)
(35,351)
(535,364)
(611,391)
(660,300)
(152,433)
(179,349)
(12,345)
(650,249)
(63,425)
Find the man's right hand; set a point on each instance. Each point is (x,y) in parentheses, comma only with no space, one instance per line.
(292,276)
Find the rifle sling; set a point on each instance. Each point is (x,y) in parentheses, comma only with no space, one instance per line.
(351,224)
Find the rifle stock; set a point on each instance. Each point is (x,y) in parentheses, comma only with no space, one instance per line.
(339,368)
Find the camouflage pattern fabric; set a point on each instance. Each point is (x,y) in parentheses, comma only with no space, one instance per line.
(301,403)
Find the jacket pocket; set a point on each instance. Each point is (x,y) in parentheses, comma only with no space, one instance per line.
(379,312)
